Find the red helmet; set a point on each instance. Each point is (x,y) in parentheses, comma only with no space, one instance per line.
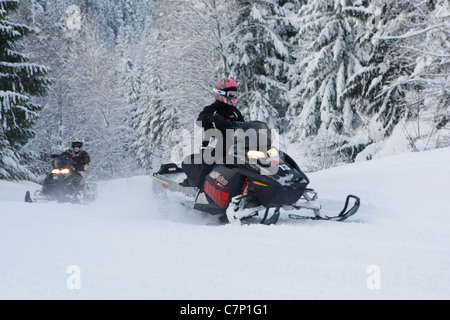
(225,90)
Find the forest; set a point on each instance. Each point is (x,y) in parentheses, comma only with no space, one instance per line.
(336,78)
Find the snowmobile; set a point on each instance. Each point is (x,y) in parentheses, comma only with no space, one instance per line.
(261,182)
(63,184)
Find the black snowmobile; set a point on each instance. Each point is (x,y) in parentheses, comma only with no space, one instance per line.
(63,184)
(259,183)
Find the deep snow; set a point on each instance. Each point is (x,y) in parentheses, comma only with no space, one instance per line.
(134,244)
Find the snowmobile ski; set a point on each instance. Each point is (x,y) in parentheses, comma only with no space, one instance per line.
(343,215)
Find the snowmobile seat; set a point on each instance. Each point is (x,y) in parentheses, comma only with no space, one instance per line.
(169,168)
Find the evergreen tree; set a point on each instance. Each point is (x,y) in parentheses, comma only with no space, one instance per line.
(259,57)
(20,81)
(183,48)
(157,111)
(405,81)
(86,99)
(327,56)
(154,125)
(376,85)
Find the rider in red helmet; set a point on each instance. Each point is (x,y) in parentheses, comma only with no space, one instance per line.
(221,116)
(223,112)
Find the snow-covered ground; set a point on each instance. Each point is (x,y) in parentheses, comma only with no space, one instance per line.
(133,244)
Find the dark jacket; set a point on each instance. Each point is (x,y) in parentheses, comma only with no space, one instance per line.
(81,158)
(219,115)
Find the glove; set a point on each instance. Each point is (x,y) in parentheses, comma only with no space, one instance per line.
(221,123)
(218,119)
(78,159)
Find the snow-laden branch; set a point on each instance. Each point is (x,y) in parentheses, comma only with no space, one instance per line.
(435,54)
(30,67)
(7,98)
(411,34)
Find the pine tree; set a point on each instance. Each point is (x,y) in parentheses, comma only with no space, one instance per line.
(326,56)
(86,100)
(20,81)
(404,85)
(259,57)
(157,113)
(183,49)
(153,125)
(433,71)
(382,96)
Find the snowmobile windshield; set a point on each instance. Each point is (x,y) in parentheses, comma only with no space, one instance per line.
(63,162)
(255,125)
(253,135)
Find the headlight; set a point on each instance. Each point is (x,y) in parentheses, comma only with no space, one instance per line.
(273,152)
(65,171)
(56,171)
(253,154)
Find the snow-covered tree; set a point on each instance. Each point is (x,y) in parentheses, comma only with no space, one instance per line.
(86,99)
(192,43)
(343,74)
(20,81)
(259,57)
(433,73)
(184,47)
(376,84)
(101,109)
(404,85)
(426,41)
(154,123)
(327,56)
(131,17)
